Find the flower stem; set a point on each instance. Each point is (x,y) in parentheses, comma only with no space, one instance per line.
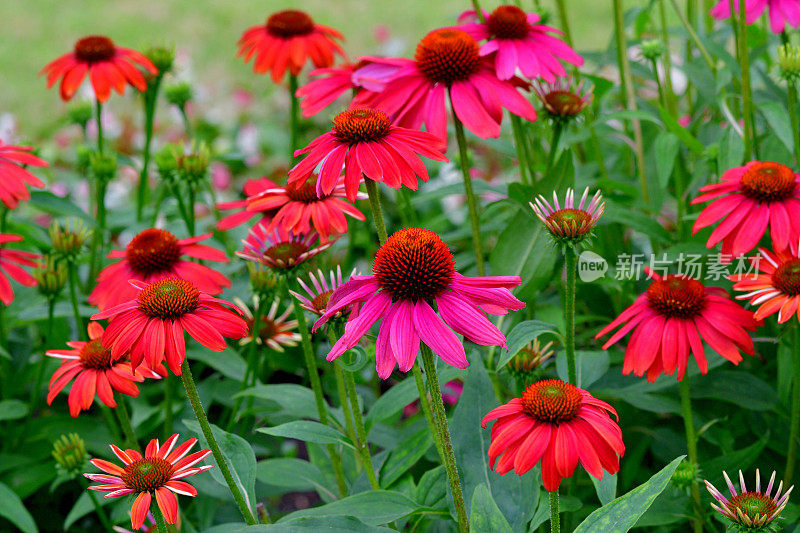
(744,62)
(251,371)
(222,464)
(558,128)
(35,392)
(73,298)
(101,513)
(167,408)
(555,524)
(791,96)
(361,442)
(447,446)
(99,114)
(522,149)
(160,522)
(425,402)
(375,204)
(688,26)
(95,254)
(341,388)
(562,15)
(316,385)
(474,217)
(150,100)
(125,424)
(293,117)
(691,444)
(478,11)
(794,426)
(571,262)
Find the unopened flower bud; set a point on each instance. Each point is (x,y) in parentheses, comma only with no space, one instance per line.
(69,451)
(51,277)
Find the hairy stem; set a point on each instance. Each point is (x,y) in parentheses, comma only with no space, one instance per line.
(472,204)
(377,213)
(691,444)
(794,425)
(571,262)
(555,524)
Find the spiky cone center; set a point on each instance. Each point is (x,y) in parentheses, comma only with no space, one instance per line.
(552,401)
(447,56)
(362,124)
(147,475)
(94,355)
(675,296)
(289,23)
(414,264)
(508,22)
(169,299)
(94,48)
(153,251)
(306,193)
(268,328)
(786,277)
(563,103)
(768,182)
(752,508)
(320,301)
(285,254)
(570,224)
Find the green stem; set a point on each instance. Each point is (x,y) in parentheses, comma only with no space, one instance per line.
(160,522)
(478,11)
(167,408)
(73,298)
(669,94)
(522,151)
(425,402)
(293,117)
(316,385)
(251,371)
(222,464)
(101,513)
(98,235)
(794,426)
(472,204)
(571,261)
(125,424)
(341,388)
(447,447)
(791,93)
(695,39)
(361,442)
(744,61)
(99,113)
(562,15)
(150,100)
(555,524)
(35,392)
(375,204)
(558,128)
(691,444)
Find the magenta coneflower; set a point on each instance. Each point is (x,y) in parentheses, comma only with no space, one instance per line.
(448,61)
(364,141)
(569,224)
(274,330)
(13,175)
(413,270)
(280,249)
(781,12)
(320,291)
(754,509)
(672,319)
(561,98)
(520,43)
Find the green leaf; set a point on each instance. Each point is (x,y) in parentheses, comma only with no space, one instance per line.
(404,456)
(336,524)
(395,399)
(566,504)
(731,150)
(308,431)
(431,491)
(294,474)
(621,514)
(373,508)
(778,120)
(294,399)
(230,364)
(673,126)
(589,365)
(12,508)
(486,516)
(605,487)
(646,224)
(666,147)
(522,334)
(740,388)
(238,454)
(13,409)
(83,506)
(57,206)
(737,460)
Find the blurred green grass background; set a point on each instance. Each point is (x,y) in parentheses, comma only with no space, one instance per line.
(37,31)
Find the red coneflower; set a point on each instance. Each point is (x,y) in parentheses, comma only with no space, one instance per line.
(364,141)
(156,254)
(280,249)
(449,61)
(298,206)
(746,201)
(90,364)
(108,65)
(159,473)
(152,324)
(413,269)
(251,188)
(520,43)
(672,319)
(776,286)
(288,40)
(11,263)
(14,176)
(558,424)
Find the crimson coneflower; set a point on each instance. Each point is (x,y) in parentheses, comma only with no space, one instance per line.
(251,188)
(754,510)
(775,287)
(299,206)
(11,263)
(449,61)
(90,364)
(280,249)
(412,270)
(747,200)
(109,67)
(559,425)
(274,330)
(781,12)
(672,318)
(156,254)
(13,175)
(287,41)
(320,291)
(159,473)
(364,141)
(151,325)
(520,43)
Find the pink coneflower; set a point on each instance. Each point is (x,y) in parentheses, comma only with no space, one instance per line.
(280,249)
(251,188)
(298,206)
(781,12)
(520,43)
(559,425)
(776,286)
(90,365)
(274,330)
(569,224)
(13,175)
(561,98)
(320,291)
(672,319)
(364,141)
(287,41)
(751,510)
(156,254)
(152,324)
(448,61)
(11,263)
(413,269)
(159,473)
(746,201)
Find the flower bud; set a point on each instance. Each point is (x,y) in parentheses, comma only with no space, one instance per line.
(789,62)
(51,277)
(162,57)
(80,113)
(178,94)
(69,451)
(103,166)
(68,237)
(652,49)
